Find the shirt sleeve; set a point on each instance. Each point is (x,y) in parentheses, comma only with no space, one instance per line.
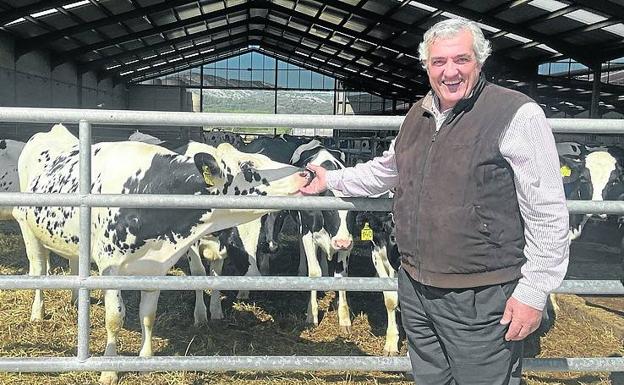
(374,177)
(529,147)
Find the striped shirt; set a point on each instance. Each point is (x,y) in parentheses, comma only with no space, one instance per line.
(529,147)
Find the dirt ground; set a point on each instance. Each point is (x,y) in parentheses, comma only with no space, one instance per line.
(273,323)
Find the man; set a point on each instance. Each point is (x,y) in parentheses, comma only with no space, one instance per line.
(481,218)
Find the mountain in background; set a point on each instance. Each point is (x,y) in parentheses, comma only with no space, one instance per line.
(261,101)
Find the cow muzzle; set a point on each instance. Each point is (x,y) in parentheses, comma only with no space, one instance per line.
(342,244)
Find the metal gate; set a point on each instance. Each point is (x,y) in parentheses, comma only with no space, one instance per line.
(83,361)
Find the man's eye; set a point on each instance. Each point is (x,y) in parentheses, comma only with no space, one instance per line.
(462,60)
(438,63)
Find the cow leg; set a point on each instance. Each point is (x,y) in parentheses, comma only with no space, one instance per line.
(251,272)
(302,270)
(344,315)
(115,314)
(324,266)
(391,300)
(314,270)
(38,257)
(200,314)
(147,314)
(250,236)
(216,266)
(73,270)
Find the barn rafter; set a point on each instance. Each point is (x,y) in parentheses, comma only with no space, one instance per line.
(368,43)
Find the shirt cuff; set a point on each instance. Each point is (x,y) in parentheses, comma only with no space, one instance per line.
(530,296)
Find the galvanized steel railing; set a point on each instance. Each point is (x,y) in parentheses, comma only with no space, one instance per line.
(85,283)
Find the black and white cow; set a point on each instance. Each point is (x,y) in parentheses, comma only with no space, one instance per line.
(378,228)
(130,241)
(326,232)
(576,178)
(216,137)
(9,180)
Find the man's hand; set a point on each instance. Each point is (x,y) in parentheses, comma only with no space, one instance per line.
(317,184)
(522,320)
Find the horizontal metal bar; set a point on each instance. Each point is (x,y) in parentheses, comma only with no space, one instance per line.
(247,202)
(350,122)
(194,201)
(272,283)
(587,126)
(278,363)
(166,118)
(596,207)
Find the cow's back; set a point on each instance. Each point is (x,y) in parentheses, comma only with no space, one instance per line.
(40,149)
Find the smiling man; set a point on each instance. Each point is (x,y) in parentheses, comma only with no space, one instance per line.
(480,213)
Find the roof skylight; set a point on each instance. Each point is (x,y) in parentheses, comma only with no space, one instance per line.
(585,17)
(548,5)
(617,29)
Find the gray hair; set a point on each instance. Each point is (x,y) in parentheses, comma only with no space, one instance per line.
(450,28)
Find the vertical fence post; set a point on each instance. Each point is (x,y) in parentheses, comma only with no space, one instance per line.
(84,250)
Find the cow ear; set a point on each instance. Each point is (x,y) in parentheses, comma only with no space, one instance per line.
(208,167)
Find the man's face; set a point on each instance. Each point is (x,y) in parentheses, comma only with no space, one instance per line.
(452,68)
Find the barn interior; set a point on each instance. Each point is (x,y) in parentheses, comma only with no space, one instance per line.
(325,57)
(295,56)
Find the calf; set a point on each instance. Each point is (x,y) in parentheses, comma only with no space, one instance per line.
(325,231)
(576,178)
(378,228)
(130,241)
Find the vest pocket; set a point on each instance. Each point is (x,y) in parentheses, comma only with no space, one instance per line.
(483,225)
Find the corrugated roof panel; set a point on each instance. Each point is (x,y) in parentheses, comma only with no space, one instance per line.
(521,14)
(378,6)
(408,40)
(356,24)
(187,11)
(308,8)
(163,17)
(213,6)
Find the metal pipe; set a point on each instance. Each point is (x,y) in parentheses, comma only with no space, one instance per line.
(166,118)
(343,122)
(194,201)
(247,202)
(84,246)
(277,363)
(275,283)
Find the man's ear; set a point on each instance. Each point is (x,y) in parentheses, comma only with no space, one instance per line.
(208,167)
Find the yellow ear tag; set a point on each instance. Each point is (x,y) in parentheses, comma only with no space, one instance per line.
(367,233)
(207,176)
(566,170)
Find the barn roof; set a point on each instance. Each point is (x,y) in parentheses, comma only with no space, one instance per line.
(366,44)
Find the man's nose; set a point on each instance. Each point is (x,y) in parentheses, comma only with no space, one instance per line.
(450,68)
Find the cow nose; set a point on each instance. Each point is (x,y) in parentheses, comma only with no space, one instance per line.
(342,244)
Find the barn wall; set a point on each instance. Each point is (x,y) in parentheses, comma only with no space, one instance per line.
(164,98)
(30,81)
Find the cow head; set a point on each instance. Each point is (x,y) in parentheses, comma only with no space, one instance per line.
(228,171)
(378,227)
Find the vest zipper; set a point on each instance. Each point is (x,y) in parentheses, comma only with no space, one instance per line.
(420,188)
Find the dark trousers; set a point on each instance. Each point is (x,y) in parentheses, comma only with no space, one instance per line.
(454,335)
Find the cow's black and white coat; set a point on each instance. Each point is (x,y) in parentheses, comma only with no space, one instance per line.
(576,178)
(325,235)
(386,259)
(129,241)
(9,180)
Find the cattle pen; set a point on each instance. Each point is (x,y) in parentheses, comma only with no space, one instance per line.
(84,361)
